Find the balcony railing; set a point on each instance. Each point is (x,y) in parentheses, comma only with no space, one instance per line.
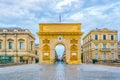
(105,49)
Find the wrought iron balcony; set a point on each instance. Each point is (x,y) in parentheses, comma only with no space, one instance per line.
(105,49)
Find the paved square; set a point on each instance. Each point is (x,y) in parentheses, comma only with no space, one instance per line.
(60,72)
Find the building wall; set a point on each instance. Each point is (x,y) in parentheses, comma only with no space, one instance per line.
(37,52)
(89,44)
(26,54)
(119,50)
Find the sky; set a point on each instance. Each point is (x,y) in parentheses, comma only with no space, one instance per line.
(92,14)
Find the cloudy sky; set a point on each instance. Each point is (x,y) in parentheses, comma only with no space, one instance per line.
(91,13)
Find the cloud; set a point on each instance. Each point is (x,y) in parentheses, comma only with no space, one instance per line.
(91,13)
(66,5)
(63,3)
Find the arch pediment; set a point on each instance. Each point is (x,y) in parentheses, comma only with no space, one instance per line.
(1,40)
(10,39)
(21,39)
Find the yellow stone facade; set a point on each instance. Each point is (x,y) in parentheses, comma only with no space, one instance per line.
(100,44)
(17,44)
(67,34)
(119,50)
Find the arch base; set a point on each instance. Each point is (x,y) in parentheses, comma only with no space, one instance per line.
(47,62)
(74,62)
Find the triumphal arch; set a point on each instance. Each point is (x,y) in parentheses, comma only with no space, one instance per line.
(67,34)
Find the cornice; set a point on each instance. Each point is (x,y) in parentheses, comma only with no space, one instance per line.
(60,33)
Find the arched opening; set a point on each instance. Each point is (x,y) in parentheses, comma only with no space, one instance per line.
(60,53)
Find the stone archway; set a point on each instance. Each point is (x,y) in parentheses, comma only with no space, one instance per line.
(65,33)
(60,50)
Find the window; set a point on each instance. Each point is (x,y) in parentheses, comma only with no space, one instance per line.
(112,55)
(31,45)
(10,45)
(112,37)
(96,56)
(96,37)
(119,57)
(0,45)
(59,38)
(112,46)
(21,45)
(104,45)
(21,59)
(104,56)
(35,52)
(118,50)
(96,46)
(104,37)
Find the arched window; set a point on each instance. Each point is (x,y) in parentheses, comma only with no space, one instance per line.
(21,43)
(10,43)
(1,43)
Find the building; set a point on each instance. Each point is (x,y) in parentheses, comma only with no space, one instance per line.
(36,49)
(100,44)
(119,50)
(16,45)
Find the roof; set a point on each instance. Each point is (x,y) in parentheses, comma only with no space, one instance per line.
(99,30)
(11,29)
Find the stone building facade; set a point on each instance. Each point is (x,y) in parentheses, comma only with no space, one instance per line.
(16,45)
(36,49)
(119,50)
(100,44)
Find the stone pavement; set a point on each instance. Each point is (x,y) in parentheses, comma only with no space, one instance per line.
(60,71)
